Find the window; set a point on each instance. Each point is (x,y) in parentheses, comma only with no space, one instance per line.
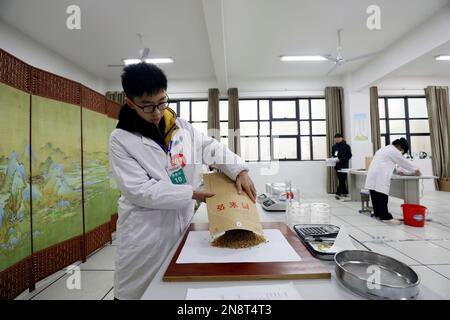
(223,116)
(281,129)
(271,129)
(249,124)
(196,112)
(405,117)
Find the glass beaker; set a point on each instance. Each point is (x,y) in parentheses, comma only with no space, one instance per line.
(297,213)
(320,213)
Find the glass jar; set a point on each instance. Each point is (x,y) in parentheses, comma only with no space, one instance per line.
(297,213)
(320,213)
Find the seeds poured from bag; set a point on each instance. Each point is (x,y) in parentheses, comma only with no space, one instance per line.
(237,239)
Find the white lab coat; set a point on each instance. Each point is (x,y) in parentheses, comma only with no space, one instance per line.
(382,168)
(153,212)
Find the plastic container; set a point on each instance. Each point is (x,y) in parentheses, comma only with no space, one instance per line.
(320,213)
(414,214)
(297,213)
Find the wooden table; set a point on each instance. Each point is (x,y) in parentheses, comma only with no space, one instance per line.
(308,268)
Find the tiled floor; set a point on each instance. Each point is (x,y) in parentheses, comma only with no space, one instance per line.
(426,250)
(97,275)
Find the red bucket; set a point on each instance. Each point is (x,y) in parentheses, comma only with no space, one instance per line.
(414,214)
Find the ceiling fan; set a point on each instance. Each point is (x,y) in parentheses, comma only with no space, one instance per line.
(339,60)
(144,53)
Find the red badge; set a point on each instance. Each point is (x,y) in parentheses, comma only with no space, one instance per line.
(178,160)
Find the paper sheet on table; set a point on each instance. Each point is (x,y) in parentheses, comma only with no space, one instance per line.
(198,249)
(331,162)
(342,242)
(269,292)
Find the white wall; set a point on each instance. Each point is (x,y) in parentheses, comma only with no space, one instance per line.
(284,87)
(35,54)
(410,85)
(307,176)
(248,88)
(357,103)
(178,89)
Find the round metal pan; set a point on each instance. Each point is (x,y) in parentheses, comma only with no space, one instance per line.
(376,276)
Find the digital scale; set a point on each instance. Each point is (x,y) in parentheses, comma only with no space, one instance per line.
(270,204)
(318,239)
(261,198)
(273,205)
(274,199)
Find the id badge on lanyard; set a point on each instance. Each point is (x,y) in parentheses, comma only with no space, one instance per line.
(175,168)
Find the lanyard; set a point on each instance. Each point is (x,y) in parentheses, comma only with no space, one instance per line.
(168,149)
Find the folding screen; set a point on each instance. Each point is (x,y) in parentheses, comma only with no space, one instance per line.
(56,172)
(97,193)
(112,110)
(111,125)
(57,216)
(58,201)
(15,231)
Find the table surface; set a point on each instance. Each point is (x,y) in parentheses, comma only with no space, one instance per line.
(395,176)
(309,289)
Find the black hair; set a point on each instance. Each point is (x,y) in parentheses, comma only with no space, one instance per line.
(338,135)
(143,78)
(402,143)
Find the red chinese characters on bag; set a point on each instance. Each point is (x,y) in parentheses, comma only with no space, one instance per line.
(232,205)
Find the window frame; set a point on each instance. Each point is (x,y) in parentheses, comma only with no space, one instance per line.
(178,106)
(270,121)
(296,119)
(407,119)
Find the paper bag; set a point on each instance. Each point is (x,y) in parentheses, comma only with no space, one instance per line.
(228,210)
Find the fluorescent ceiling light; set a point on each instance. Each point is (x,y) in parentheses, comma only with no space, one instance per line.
(443,58)
(159,60)
(155,61)
(127,62)
(302,58)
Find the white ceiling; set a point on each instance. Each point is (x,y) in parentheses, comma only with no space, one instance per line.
(427,65)
(255,34)
(259,31)
(173,28)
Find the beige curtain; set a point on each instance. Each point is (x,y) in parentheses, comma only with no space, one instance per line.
(213,114)
(234,137)
(334,100)
(439,119)
(116,96)
(375,119)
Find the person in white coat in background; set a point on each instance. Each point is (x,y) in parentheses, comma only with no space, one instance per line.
(156,160)
(381,169)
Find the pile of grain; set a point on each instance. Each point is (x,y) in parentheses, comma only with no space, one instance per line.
(237,239)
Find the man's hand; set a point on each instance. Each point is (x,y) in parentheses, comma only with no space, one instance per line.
(418,173)
(244,182)
(201,195)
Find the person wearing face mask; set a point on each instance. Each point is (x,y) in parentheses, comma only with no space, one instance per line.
(156,160)
(379,176)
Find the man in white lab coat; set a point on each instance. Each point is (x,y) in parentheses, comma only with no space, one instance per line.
(156,160)
(378,180)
